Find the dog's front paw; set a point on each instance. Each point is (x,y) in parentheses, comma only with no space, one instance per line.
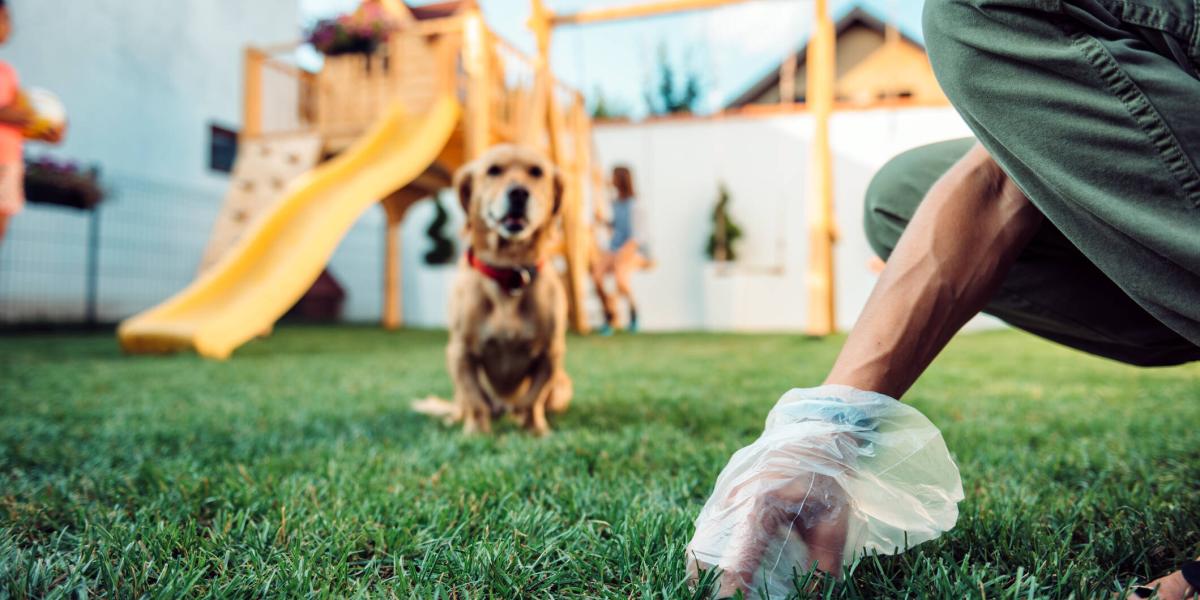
(534,421)
(477,422)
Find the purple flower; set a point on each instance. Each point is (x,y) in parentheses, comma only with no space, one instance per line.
(50,164)
(360,31)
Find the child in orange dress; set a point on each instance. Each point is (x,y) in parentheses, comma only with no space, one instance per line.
(15,116)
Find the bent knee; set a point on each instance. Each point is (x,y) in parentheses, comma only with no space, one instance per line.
(898,188)
(890,202)
(880,223)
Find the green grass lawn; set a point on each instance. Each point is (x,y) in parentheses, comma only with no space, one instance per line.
(296,469)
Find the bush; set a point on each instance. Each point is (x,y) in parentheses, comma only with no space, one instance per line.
(725,233)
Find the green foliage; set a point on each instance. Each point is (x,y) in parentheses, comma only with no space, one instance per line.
(604,108)
(442,251)
(722,242)
(296,470)
(669,93)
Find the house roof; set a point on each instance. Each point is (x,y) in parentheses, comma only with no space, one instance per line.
(876,14)
(436,10)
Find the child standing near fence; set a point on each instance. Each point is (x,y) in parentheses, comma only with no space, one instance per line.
(15,116)
(626,250)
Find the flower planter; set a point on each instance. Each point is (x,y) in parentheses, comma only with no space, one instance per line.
(360,32)
(63,184)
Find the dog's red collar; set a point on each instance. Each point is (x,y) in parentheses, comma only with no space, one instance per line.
(510,279)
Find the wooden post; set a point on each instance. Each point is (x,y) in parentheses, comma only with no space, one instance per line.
(393,308)
(477,59)
(394,207)
(533,128)
(576,238)
(252,92)
(821,318)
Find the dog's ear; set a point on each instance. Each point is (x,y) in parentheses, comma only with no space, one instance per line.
(464,183)
(558,191)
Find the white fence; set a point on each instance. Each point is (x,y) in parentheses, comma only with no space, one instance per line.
(678,165)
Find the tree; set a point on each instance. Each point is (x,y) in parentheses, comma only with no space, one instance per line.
(667,94)
(725,232)
(603,108)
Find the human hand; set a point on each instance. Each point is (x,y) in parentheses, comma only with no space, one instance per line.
(18,114)
(836,471)
(53,135)
(791,513)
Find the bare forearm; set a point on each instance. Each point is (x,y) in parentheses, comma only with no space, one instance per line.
(15,114)
(951,259)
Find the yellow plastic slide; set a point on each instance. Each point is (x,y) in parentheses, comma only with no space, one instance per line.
(282,253)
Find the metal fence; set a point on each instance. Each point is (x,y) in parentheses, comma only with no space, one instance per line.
(61,266)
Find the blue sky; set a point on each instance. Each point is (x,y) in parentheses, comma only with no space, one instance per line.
(732,46)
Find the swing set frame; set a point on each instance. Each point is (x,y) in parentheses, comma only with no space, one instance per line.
(821,59)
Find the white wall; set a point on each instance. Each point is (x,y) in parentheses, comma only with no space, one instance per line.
(142,81)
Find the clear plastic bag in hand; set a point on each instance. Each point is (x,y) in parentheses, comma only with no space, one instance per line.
(837,473)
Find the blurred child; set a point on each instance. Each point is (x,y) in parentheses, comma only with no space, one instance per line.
(15,117)
(626,250)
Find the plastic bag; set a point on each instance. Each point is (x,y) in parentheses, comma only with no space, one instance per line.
(836,472)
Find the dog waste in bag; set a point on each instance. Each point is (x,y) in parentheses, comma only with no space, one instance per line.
(831,461)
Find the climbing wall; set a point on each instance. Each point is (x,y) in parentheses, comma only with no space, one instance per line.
(262,172)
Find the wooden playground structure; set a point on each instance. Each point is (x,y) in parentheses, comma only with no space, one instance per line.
(391,126)
(507,96)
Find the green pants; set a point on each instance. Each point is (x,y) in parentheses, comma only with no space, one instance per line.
(1092,107)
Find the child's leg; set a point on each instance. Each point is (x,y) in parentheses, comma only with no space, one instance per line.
(601,263)
(626,262)
(12,193)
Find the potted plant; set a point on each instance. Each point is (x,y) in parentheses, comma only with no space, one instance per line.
(61,182)
(359,32)
(726,233)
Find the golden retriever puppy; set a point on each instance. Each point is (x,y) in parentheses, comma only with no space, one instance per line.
(508,312)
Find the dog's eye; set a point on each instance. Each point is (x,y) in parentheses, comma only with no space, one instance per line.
(536,172)
(494,171)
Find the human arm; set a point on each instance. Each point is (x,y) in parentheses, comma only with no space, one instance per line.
(955,252)
(961,242)
(17,114)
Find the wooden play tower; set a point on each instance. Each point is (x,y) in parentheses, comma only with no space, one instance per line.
(439,48)
(390,126)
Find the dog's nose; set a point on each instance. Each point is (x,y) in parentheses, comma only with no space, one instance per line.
(518,197)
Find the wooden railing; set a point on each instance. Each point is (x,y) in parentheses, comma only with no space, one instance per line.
(497,83)
(279,96)
(512,79)
(414,68)
(349,92)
